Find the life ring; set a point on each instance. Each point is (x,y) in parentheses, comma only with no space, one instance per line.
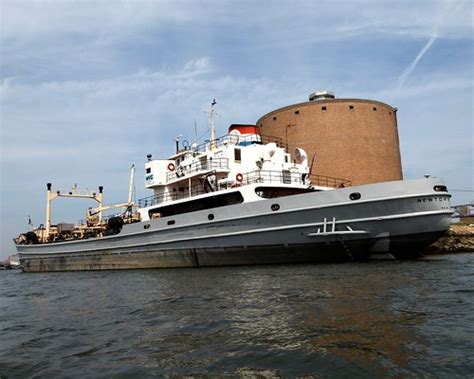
(171,167)
(239,177)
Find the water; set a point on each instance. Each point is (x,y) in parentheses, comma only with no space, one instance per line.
(398,319)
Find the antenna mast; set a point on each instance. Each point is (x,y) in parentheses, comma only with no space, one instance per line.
(132,184)
(213,128)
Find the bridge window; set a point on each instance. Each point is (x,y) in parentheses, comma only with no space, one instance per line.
(440,188)
(272,192)
(237,155)
(198,205)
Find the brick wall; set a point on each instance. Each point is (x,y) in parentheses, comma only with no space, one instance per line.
(353,139)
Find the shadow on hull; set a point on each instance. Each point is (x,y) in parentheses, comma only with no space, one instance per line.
(404,247)
(412,246)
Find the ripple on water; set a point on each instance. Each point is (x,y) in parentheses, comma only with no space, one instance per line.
(361,319)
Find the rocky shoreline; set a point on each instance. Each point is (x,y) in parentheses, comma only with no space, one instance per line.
(458,239)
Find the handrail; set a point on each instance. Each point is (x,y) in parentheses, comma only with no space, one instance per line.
(168,197)
(289,177)
(238,140)
(199,166)
(329,181)
(251,177)
(272,176)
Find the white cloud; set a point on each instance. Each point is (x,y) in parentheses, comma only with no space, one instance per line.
(445,11)
(411,67)
(197,66)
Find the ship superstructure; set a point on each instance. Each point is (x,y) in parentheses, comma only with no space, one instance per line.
(223,169)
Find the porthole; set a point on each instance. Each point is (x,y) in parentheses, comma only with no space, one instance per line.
(297,112)
(354,196)
(171,222)
(275,207)
(146,226)
(274,118)
(210,217)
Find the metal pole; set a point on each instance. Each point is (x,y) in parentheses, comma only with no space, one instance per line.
(132,180)
(213,130)
(99,200)
(288,126)
(48,210)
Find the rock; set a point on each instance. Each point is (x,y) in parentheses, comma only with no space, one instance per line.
(458,239)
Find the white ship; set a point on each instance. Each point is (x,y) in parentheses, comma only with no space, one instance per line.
(236,200)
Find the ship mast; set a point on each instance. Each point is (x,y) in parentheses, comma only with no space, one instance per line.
(132,184)
(213,128)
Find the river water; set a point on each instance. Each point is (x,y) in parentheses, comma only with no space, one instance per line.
(374,319)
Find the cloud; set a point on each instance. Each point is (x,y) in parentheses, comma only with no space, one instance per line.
(139,112)
(446,9)
(197,66)
(411,67)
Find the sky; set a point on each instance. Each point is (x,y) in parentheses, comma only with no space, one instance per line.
(88,87)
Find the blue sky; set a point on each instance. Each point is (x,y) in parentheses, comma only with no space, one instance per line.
(88,87)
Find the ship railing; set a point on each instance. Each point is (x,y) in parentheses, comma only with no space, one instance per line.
(272,177)
(169,197)
(291,177)
(252,177)
(329,181)
(238,140)
(216,164)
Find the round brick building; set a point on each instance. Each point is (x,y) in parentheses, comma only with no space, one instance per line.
(352,139)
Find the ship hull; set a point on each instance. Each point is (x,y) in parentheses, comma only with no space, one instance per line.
(400,218)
